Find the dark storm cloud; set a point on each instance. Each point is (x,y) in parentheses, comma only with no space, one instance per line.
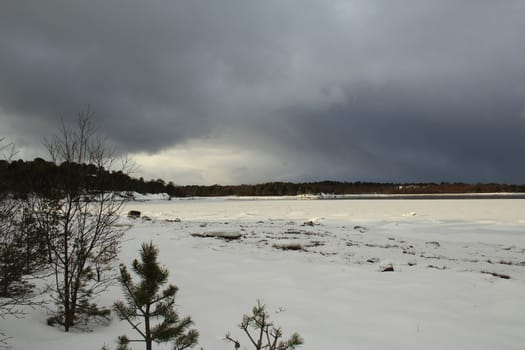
(116,56)
(164,68)
(383,90)
(410,136)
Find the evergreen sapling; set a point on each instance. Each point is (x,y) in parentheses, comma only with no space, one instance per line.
(262,333)
(149,310)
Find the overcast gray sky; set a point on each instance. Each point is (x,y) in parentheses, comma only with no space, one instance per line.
(203,92)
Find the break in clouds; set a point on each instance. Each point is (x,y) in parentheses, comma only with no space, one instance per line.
(253,91)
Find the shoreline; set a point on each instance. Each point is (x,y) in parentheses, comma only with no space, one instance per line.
(369,196)
(430,196)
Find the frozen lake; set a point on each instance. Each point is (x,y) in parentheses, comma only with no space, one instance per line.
(496,210)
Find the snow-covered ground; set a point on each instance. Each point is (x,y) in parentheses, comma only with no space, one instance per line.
(446,290)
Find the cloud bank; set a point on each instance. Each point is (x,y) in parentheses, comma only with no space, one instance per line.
(252,91)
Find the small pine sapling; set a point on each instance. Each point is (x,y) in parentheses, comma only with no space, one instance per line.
(262,333)
(146,303)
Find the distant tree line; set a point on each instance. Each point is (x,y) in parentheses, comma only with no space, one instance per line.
(21,177)
(339,188)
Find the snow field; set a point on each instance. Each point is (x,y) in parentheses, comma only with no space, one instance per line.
(331,290)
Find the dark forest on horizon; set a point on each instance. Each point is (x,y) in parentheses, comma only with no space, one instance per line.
(21,177)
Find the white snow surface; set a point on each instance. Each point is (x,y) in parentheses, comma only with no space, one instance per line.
(442,294)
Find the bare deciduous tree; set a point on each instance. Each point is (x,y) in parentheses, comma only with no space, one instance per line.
(79,215)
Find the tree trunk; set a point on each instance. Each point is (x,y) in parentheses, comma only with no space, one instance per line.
(68,320)
(68,317)
(147,328)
